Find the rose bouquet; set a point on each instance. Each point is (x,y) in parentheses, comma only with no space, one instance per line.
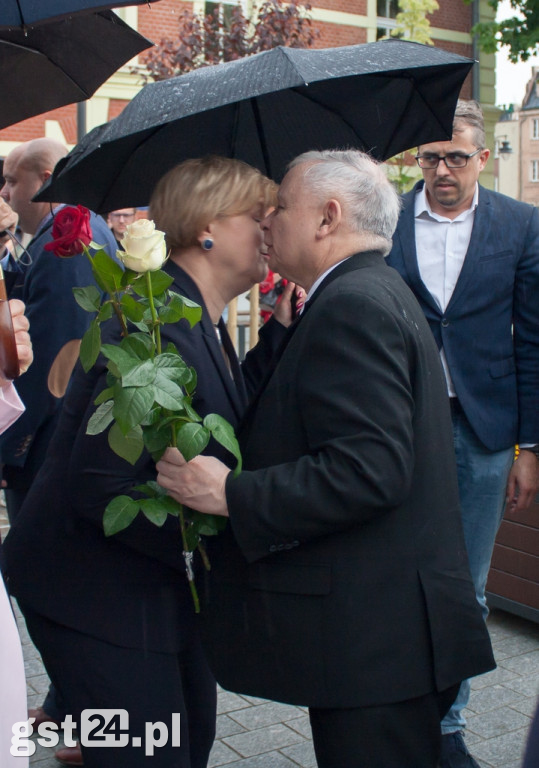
(147,401)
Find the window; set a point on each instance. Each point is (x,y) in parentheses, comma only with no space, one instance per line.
(535,128)
(535,170)
(386,11)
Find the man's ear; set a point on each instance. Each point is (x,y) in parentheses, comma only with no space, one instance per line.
(44,175)
(331,218)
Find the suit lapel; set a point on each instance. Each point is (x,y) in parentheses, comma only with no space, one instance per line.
(357,261)
(479,236)
(233,385)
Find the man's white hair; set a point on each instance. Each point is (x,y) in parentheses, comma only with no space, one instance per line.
(369,201)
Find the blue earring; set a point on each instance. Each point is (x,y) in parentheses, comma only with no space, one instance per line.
(207,244)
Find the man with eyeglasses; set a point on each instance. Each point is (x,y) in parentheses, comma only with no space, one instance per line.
(471,256)
(118,221)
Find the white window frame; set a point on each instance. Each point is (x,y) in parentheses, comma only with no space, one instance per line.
(535,128)
(534,171)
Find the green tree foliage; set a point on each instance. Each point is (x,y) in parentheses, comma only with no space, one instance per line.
(412,22)
(520,32)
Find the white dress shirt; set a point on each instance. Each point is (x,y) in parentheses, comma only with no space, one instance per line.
(441,246)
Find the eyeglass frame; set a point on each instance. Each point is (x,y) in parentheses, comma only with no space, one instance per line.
(444,158)
(123,215)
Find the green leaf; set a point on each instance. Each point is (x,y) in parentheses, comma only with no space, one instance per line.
(223,432)
(191,385)
(191,440)
(174,367)
(190,310)
(105,313)
(133,310)
(107,272)
(100,420)
(190,412)
(156,438)
(140,375)
(129,446)
(160,282)
(120,513)
(90,346)
(131,404)
(138,345)
(154,510)
(167,393)
(104,395)
(88,298)
(123,359)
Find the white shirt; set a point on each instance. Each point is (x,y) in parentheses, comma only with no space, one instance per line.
(317,282)
(441,246)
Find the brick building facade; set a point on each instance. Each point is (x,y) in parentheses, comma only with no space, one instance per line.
(340,22)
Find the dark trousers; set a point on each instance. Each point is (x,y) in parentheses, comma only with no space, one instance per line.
(93,674)
(401,735)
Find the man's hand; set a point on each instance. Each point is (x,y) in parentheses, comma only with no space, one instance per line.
(8,220)
(199,483)
(22,337)
(522,484)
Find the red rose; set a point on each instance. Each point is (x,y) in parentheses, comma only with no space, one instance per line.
(70,231)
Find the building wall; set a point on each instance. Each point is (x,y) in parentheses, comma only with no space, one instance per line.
(340,22)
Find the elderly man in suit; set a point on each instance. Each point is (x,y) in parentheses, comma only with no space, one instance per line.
(471,257)
(341,582)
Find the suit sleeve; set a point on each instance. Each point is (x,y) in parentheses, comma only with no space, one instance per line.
(355,407)
(258,359)
(526,332)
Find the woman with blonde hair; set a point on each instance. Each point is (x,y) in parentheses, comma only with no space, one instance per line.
(113,617)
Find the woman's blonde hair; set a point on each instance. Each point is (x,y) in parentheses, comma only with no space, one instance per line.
(195,192)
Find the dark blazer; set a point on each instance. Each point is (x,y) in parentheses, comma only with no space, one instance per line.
(129,589)
(46,287)
(490,329)
(346,581)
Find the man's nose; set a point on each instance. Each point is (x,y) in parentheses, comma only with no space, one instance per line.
(442,169)
(4,193)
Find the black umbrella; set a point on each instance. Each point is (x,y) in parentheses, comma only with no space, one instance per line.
(18,13)
(61,62)
(380,97)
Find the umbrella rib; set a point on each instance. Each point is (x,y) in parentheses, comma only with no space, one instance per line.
(20,14)
(331,111)
(260,129)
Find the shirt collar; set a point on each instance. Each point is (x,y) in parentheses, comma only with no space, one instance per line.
(423,210)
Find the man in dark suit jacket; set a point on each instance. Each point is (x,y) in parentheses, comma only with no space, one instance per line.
(471,257)
(341,582)
(46,287)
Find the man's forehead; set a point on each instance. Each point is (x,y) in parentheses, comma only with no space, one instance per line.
(459,138)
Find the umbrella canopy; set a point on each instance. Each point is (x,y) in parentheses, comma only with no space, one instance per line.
(19,13)
(61,62)
(265,109)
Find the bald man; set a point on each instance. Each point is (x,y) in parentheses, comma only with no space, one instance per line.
(46,286)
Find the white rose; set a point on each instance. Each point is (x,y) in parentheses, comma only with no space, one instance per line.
(144,247)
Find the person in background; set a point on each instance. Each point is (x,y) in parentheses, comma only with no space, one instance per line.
(471,257)
(45,283)
(118,222)
(341,582)
(119,628)
(12,677)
